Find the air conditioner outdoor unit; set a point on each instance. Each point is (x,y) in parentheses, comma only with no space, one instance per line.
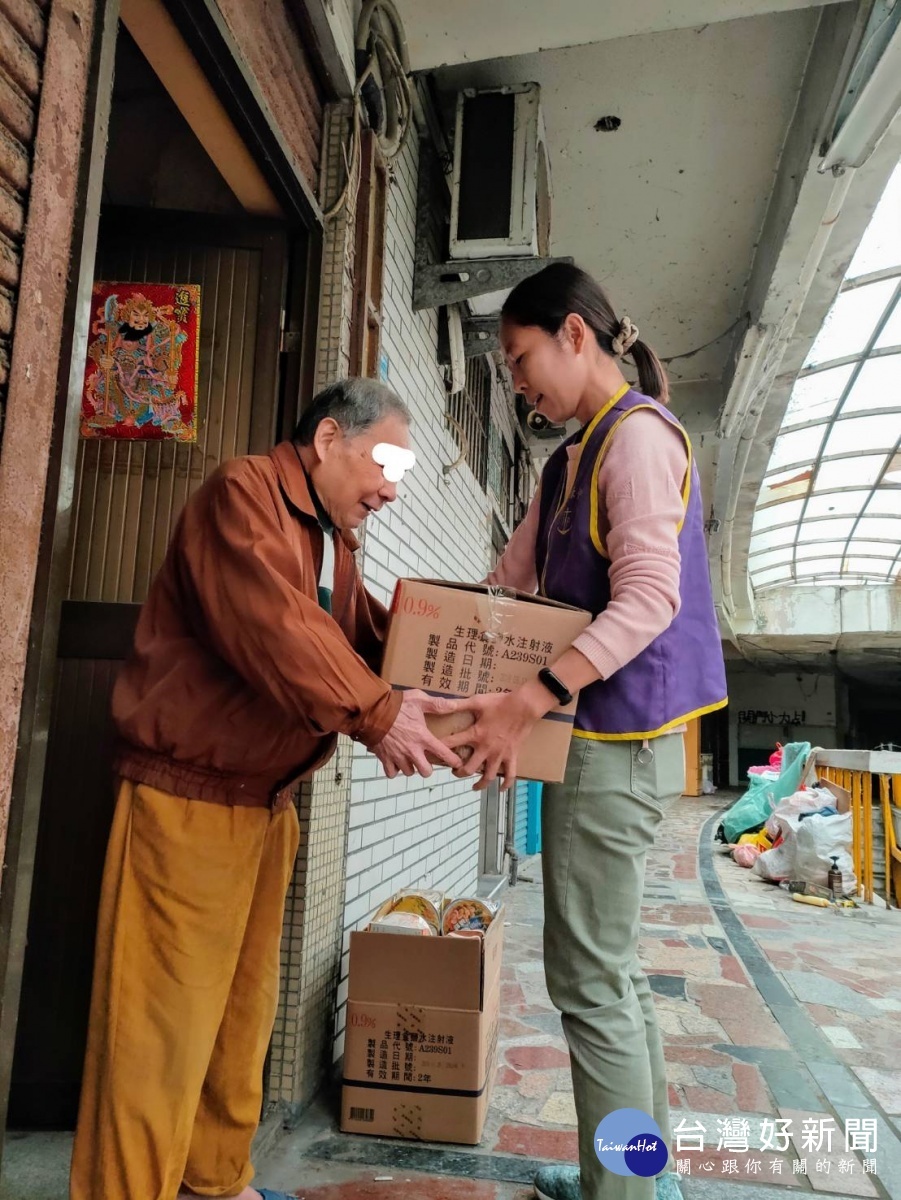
(501,190)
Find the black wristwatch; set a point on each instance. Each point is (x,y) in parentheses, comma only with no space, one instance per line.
(555,686)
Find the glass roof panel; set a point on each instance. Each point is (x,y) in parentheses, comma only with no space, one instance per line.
(836,504)
(819,566)
(880,246)
(826,580)
(830,506)
(820,549)
(886,502)
(861,433)
(777,514)
(787,486)
(860,545)
(814,544)
(875,567)
(891,333)
(832,527)
(800,446)
(770,558)
(771,575)
(880,527)
(817,395)
(851,322)
(862,469)
(770,539)
(877,386)
(777,479)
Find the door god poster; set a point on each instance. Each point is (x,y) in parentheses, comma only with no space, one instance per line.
(142,365)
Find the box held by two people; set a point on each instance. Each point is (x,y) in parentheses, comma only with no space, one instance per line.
(456,639)
(421,1034)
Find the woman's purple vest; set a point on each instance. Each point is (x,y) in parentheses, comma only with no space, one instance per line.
(681,674)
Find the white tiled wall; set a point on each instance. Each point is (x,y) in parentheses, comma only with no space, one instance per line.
(417,831)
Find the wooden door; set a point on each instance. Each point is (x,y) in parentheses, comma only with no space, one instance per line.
(127,499)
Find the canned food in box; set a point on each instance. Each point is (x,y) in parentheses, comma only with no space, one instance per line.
(402,922)
(426,904)
(468,914)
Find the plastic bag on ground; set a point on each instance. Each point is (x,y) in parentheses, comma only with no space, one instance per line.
(817,840)
(807,849)
(777,864)
(785,821)
(794,805)
(763,795)
(746,855)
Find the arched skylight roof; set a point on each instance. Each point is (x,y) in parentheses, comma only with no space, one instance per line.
(829,510)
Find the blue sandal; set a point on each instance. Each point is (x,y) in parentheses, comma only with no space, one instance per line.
(270,1195)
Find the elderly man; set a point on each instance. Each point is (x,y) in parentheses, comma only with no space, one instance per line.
(257,646)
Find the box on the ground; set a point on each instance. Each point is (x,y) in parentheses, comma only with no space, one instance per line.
(420,1040)
(842,795)
(458,639)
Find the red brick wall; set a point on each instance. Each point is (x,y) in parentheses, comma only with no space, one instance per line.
(273,48)
(43,282)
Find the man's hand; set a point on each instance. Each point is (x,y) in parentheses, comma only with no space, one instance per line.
(403,749)
(502,722)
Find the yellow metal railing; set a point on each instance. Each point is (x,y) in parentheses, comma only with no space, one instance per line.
(870,776)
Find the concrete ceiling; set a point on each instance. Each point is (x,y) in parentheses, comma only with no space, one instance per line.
(519,27)
(666,211)
(704,216)
(873,658)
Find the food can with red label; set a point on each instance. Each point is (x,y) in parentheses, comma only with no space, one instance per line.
(468,913)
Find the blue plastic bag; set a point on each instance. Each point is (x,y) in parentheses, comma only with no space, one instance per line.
(762,796)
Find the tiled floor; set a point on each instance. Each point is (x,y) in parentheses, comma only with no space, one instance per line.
(781,1026)
(771,1012)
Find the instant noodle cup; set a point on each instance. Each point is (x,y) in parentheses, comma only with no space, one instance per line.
(385,907)
(425,904)
(468,914)
(402,922)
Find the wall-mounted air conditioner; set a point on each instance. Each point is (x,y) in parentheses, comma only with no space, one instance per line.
(501,196)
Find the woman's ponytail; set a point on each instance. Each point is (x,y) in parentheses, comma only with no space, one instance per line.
(652,380)
(547,298)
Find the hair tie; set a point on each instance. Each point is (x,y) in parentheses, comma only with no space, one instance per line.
(626,338)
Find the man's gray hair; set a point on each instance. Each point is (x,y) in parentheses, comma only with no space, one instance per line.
(355,404)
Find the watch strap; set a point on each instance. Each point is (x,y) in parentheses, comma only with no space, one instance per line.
(555,686)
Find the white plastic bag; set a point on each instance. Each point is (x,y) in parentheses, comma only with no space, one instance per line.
(818,838)
(792,806)
(777,864)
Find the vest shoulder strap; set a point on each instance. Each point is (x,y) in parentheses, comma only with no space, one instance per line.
(602,452)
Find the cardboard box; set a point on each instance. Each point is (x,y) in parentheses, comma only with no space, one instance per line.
(420,1043)
(456,639)
(842,795)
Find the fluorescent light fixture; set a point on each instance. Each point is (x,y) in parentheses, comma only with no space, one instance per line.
(877,106)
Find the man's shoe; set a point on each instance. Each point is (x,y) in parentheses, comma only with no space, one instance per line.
(562,1183)
(558,1183)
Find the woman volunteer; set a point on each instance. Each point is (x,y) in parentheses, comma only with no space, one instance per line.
(616,528)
